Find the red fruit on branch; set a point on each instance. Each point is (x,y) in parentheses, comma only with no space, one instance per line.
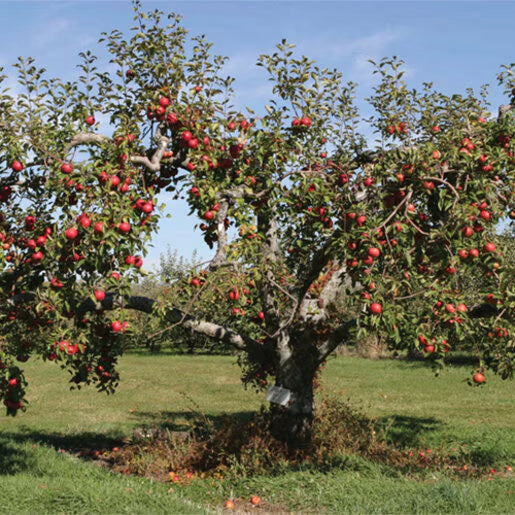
(116,326)
(66,168)
(124,227)
(17,166)
(71,233)
(99,295)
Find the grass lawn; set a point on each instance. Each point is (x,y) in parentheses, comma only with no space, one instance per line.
(417,409)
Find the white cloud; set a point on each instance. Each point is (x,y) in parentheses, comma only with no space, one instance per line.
(241,65)
(371,45)
(356,52)
(53,30)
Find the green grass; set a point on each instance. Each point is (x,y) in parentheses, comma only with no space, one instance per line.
(416,408)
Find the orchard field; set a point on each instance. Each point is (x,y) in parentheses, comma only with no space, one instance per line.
(336,213)
(41,471)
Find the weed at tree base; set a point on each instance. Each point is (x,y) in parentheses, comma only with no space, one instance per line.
(342,438)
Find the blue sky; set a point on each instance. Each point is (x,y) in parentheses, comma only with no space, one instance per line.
(454,44)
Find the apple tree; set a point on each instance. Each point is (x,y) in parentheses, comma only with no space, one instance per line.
(301,203)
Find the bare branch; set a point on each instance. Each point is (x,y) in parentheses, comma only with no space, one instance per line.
(503,109)
(406,199)
(225,199)
(267,224)
(153,164)
(84,138)
(147,305)
(337,337)
(221,230)
(446,183)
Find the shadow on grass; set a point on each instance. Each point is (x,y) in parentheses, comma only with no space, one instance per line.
(404,431)
(65,442)
(401,431)
(12,459)
(187,420)
(456,359)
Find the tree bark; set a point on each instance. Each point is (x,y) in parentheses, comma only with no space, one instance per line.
(295,370)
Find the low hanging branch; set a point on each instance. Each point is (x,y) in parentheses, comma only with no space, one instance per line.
(148,305)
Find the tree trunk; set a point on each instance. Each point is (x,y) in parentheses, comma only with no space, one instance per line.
(295,371)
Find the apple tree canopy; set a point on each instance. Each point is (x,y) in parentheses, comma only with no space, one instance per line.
(319,236)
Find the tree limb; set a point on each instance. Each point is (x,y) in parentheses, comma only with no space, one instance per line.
(503,109)
(153,164)
(84,138)
(337,337)
(147,305)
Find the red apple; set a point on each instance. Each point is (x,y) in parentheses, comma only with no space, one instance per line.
(90,120)
(66,168)
(17,166)
(490,247)
(116,326)
(478,378)
(485,215)
(467,231)
(85,221)
(99,295)
(71,233)
(376,308)
(255,500)
(450,308)
(124,227)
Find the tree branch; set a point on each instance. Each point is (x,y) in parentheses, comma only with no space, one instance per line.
(84,138)
(147,305)
(225,199)
(337,337)
(153,164)
(503,109)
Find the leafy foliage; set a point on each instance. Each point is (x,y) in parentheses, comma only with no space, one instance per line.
(299,209)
